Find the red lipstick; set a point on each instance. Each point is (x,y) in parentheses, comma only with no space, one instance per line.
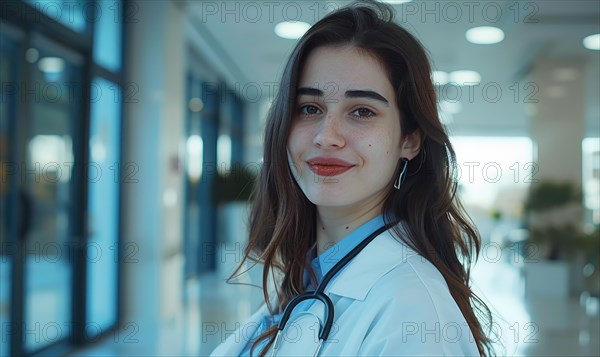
(328,166)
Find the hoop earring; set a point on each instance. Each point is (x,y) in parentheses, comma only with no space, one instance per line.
(402,175)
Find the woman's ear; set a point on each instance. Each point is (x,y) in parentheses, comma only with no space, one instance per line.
(411,145)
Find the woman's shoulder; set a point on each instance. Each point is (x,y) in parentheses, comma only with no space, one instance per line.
(413,300)
(409,261)
(415,282)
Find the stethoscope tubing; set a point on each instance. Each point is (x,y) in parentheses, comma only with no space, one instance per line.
(319,293)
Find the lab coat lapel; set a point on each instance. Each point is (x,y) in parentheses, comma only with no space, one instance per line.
(383,254)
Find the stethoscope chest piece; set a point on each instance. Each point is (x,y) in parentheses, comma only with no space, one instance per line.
(300,337)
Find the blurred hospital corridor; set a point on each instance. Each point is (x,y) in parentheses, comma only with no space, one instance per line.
(132,135)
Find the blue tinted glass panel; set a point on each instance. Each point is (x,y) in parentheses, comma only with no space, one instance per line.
(47,197)
(75,14)
(103,207)
(108,34)
(8,67)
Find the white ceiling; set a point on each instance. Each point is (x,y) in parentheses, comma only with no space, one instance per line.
(241,33)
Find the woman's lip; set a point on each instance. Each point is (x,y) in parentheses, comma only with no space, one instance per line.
(328,161)
(328,170)
(328,166)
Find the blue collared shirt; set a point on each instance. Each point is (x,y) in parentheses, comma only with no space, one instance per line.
(321,265)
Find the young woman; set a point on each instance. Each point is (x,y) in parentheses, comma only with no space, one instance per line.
(356,200)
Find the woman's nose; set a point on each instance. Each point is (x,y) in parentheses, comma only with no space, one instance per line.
(329,133)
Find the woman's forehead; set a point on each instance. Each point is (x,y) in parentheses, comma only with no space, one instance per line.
(340,68)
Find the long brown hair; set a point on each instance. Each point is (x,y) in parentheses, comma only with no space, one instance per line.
(282,219)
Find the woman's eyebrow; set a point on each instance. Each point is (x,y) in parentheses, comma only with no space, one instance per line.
(366,94)
(309,91)
(349,94)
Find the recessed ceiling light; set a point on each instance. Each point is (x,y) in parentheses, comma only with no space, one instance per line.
(291,29)
(195,104)
(439,77)
(592,42)
(51,64)
(465,78)
(394,2)
(484,35)
(32,55)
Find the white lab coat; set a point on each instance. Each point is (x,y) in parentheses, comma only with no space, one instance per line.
(389,301)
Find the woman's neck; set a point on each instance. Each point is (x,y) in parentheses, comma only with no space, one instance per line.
(333,223)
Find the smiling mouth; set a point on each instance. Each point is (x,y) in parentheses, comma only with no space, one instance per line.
(328,170)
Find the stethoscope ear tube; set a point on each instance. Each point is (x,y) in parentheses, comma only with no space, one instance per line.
(324,333)
(325,330)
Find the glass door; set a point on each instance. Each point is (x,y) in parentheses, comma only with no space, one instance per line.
(103,201)
(54,112)
(201,170)
(9,230)
(61,95)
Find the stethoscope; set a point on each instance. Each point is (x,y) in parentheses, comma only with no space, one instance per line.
(320,295)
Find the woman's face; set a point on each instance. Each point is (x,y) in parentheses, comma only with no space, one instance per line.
(344,144)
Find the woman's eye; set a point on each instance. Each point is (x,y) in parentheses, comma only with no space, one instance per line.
(363,113)
(309,110)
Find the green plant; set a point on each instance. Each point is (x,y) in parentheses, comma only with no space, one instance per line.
(567,241)
(548,194)
(237,185)
(496,215)
(560,239)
